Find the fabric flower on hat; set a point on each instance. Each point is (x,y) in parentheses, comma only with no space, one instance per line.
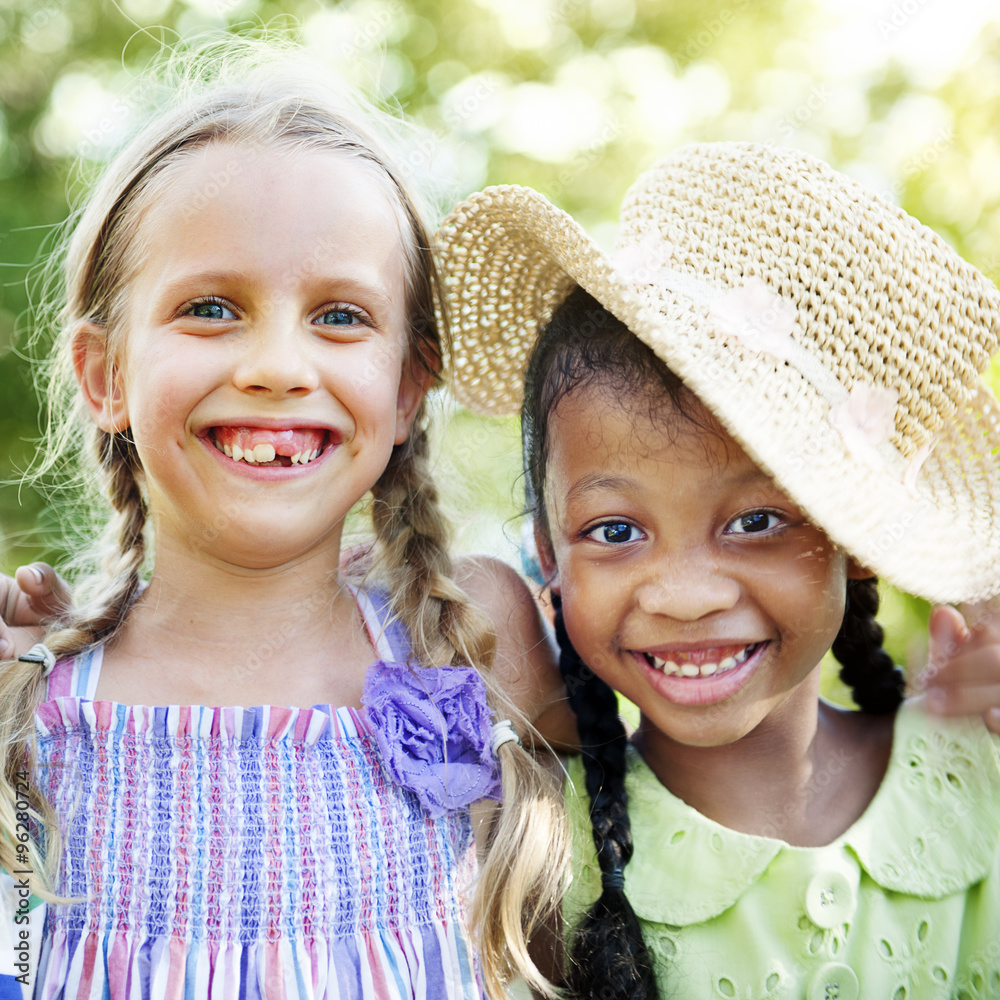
(758,318)
(866,420)
(647,262)
(432,726)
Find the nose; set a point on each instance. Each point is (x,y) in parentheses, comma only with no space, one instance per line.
(276,359)
(687,587)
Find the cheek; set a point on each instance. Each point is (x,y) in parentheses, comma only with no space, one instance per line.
(590,617)
(820,598)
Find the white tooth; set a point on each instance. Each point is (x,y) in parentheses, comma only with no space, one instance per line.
(707,669)
(742,654)
(657,662)
(728,663)
(295,458)
(690,670)
(263,453)
(669,667)
(237,453)
(248,456)
(315,454)
(227,451)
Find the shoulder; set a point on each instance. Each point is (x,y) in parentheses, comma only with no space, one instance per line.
(526,664)
(934,826)
(496,588)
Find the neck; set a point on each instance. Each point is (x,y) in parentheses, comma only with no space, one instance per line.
(802,776)
(206,632)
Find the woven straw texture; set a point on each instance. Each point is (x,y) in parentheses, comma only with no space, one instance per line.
(880,302)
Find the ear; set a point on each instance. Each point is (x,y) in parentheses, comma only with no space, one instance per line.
(99,377)
(546,558)
(414,382)
(855,571)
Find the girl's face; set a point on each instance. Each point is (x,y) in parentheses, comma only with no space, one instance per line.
(263,369)
(689,581)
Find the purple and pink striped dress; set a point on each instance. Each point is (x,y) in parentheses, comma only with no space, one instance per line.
(245,852)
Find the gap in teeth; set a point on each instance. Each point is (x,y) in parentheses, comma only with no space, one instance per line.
(264,454)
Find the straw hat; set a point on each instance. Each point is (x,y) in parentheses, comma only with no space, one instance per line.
(835,337)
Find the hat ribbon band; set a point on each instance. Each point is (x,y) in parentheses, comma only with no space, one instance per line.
(762,321)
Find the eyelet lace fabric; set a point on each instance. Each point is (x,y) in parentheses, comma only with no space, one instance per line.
(258,852)
(905,905)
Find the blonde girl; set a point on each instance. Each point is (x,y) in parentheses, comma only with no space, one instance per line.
(248,335)
(768,397)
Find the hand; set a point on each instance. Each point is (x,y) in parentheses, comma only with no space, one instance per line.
(34,595)
(962,676)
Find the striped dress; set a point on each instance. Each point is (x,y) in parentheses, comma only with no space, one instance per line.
(244,852)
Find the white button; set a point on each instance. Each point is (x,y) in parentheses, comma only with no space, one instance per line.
(829,899)
(834,981)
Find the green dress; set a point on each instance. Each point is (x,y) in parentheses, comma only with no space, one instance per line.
(905,905)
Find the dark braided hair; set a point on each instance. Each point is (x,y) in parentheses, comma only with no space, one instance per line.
(608,956)
(584,345)
(875,681)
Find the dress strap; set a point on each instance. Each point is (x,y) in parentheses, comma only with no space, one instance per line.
(77,677)
(388,635)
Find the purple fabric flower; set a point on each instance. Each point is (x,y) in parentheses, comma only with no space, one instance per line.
(432,725)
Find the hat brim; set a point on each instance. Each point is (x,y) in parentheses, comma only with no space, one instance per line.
(509,258)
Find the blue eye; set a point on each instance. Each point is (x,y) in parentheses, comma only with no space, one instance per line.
(211,310)
(338,317)
(754,523)
(615,533)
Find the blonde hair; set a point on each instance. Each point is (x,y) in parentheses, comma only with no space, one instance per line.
(268,108)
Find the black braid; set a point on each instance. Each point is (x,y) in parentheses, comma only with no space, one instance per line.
(608,959)
(876,682)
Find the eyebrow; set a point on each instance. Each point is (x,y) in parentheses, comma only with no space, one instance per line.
(598,483)
(345,287)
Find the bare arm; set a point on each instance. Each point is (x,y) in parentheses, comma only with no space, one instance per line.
(526,665)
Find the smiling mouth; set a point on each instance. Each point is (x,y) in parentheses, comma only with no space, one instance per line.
(702,662)
(262,446)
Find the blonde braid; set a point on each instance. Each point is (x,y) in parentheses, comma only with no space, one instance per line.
(521,878)
(412,561)
(125,543)
(22,685)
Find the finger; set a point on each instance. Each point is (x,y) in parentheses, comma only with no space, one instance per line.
(983,620)
(973,665)
(6,642)
(966,700)
(46,594)
(9,594)
(947,636)
(993,720)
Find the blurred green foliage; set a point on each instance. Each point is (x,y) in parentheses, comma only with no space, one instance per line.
(573,97)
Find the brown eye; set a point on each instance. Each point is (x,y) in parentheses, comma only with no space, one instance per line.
(754,522)
(615,532)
